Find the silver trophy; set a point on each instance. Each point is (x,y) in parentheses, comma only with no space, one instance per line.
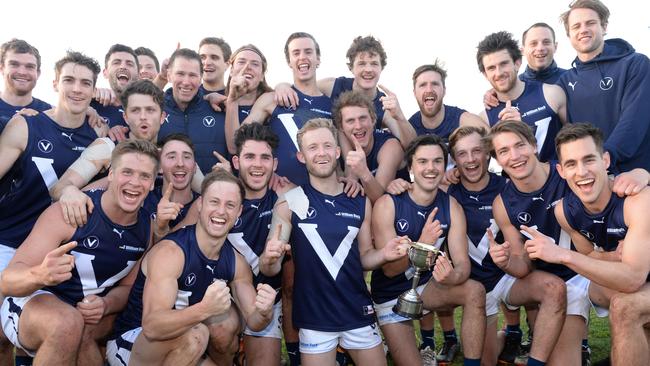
(421,256)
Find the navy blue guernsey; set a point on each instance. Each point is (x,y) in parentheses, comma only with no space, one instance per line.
(549,75)
(379,139)
(330,293)
(150,204)
(201,123)
(7,110)
(343,84)
(536,112)
(249,233)
(535,209)
(449,123)
(409,220)
(285,122)
(113,115)
(105,253)
(204,91)
(605,228)
(478,214)
(24,190)
(198,273)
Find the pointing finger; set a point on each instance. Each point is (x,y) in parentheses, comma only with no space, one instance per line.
(60,251)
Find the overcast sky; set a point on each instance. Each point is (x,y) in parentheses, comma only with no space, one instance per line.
(412,32)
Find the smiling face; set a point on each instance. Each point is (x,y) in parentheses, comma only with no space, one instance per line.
(586,33)
(428,167)
(185,77)
(75,85)
(515,154)
(177,163)
(471,158)
(429,92)
(584,168)
(366,69)
(130,178)
(144,117)
(121,68)
(248,64)
(539,48)
(20,73)
(256,165)
(214,64)
(219,207)
(147,67)
(319,152)
(303,59)
(357,124)
(501,70)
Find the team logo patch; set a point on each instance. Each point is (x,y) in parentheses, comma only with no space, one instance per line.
(402,225)
(311,213)
(90,242)
(524,217)
(45,146)
(587,234)
(209,121)
(190,280)
(237,223)
(606,83)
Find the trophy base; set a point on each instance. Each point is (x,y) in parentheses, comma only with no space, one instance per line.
(408,306)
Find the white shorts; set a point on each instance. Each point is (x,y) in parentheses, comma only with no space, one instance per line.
(314,341)
(600,311)
(499,294)
(118,351)
(6,253)
(386,315)
(274,329)
(10,312)
(577,292)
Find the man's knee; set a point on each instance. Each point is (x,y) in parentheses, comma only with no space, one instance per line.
(553,291)
(474,294)
(194,341)
(224,336)
(624,311)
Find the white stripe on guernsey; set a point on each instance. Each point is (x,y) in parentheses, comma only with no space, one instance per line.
(332,263)
(478,252)
(237,240)
(541,132)
(290,126)
(84,264)
(46,169)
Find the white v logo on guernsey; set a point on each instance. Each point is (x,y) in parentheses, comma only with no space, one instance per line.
(333,263)
(237,240)
(46,168)
(541,131)
(478,252)
(290,126)
(84,264)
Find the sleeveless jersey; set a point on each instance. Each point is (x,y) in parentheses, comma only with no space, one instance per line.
(201,123)
(330,293)
(7,110)
(409,220)
(105,253)
(478,214)
(24,190)
(285,123)
(198,273)
(343,84)
(379,139)
(536,112)
(536,209)
(449,123)
(603,229)
(113,115)
(248,235)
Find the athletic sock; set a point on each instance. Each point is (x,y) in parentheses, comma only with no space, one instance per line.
(23,361)
(293,351)
(513,329)
(450,336)
(585,343)
(427,339)
(534,362)
(472,362)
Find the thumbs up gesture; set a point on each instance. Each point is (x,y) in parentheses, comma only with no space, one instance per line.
(355,160)
(509,113)
(500,253)
(57,265)
(540,246)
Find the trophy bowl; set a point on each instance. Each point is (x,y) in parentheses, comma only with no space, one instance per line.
(421,257)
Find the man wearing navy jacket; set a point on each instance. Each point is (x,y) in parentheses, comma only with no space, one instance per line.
(609,85)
